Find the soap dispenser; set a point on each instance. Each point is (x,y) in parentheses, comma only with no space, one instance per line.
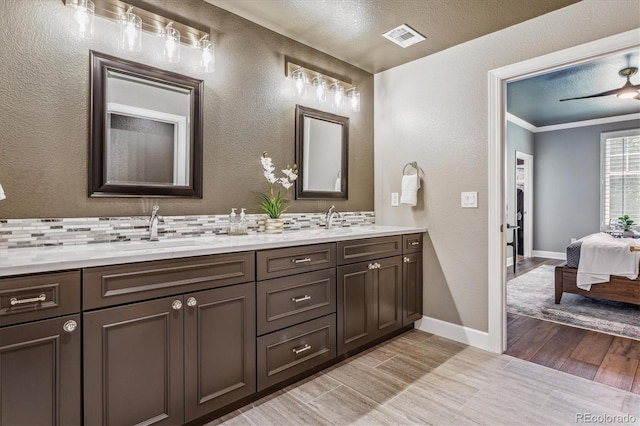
(233,223)
(242,225)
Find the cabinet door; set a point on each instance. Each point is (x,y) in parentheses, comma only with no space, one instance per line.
(387,295)
(133,364)
(355,306)
(412,288)
(40,373)
(220,352)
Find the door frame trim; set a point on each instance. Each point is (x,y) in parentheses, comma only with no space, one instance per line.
(497,81)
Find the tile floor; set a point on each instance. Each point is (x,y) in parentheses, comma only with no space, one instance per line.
(419,378)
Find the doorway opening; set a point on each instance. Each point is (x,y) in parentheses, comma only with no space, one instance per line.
(497,162)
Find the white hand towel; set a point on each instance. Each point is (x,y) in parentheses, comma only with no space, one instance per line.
(2,195)
(410,186)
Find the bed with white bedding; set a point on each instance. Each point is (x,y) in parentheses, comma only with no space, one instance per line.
(607,267)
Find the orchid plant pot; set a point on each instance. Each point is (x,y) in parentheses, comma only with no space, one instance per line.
(273,226)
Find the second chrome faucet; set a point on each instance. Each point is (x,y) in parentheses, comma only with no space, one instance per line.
(330,216)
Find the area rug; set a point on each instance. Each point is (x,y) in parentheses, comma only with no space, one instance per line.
(532,294)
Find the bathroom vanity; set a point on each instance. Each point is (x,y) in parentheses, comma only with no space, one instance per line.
(129,333)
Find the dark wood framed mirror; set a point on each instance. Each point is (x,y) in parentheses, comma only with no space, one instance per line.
(322,154)
(145,131)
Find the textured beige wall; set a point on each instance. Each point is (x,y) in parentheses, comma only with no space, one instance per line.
(434,111)
(44,93)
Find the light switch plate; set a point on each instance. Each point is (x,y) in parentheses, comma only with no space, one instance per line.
(395,200)
(469,200)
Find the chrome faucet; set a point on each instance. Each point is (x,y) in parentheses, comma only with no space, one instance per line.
(330,215)
(153,224)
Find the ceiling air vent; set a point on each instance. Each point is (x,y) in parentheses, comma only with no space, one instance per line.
(404,36)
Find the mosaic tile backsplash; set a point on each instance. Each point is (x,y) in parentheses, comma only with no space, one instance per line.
(16,233)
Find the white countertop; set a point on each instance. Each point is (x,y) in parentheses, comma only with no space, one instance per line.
(42,259)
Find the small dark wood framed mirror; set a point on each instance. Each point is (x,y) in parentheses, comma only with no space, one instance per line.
(322,154)
(146,131)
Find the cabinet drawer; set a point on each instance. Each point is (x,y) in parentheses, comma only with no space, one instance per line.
(33,297)
(411,243)
(283,302)
(294,350)
(368,249)
(113,285)
(294,260)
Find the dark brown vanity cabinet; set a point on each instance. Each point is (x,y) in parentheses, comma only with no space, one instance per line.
(296,321)
(412,278)
(40,359)
(370,292)
(176,358)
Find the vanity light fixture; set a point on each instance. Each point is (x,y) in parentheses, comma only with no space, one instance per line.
(136,16)
(340,89)
(83,17)
(130,31)
(171,50)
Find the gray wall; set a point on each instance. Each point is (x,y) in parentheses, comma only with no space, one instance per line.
(434,111)
(249,108)
(567,184)
(518,139)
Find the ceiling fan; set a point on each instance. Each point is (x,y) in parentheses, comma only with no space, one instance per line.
(628,91)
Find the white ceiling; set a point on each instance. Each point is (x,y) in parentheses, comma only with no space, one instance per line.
(351,30)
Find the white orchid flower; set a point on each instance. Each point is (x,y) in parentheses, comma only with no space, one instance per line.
(270,177)
(285,182)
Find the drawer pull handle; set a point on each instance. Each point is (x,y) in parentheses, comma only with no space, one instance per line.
(303,260)
(414,243)
(70,326)
(38,299)
(305,348)
(406,259)
(301,299)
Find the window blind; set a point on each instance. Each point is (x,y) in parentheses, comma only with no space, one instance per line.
(621,177)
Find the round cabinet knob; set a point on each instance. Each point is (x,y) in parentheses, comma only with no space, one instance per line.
(406,259)
(70,326)
(191,302)
(371,266)
(377,265)
(176,305)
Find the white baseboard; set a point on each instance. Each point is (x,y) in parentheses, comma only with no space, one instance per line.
(550,254)
(459,333)
(509,261)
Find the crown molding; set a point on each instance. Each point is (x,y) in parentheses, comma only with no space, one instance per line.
(584,123)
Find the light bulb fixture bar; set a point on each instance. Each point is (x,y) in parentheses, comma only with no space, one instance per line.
(154,20)
(324,85)
(311,73)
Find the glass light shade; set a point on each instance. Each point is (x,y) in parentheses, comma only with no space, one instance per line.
(321,89)
(130,32)
(628,94)
(338,95)
(171,51)
(207,56)
(300,80)
(354,100)
(83,17)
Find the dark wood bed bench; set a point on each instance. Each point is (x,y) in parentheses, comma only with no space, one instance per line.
(618,288)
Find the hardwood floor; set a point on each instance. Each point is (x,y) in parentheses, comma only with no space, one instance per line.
(600,357)
(423,379)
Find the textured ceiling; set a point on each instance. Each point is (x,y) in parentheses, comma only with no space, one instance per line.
(352,30)
(536,99)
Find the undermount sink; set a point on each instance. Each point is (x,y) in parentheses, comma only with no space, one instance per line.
(148,245)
